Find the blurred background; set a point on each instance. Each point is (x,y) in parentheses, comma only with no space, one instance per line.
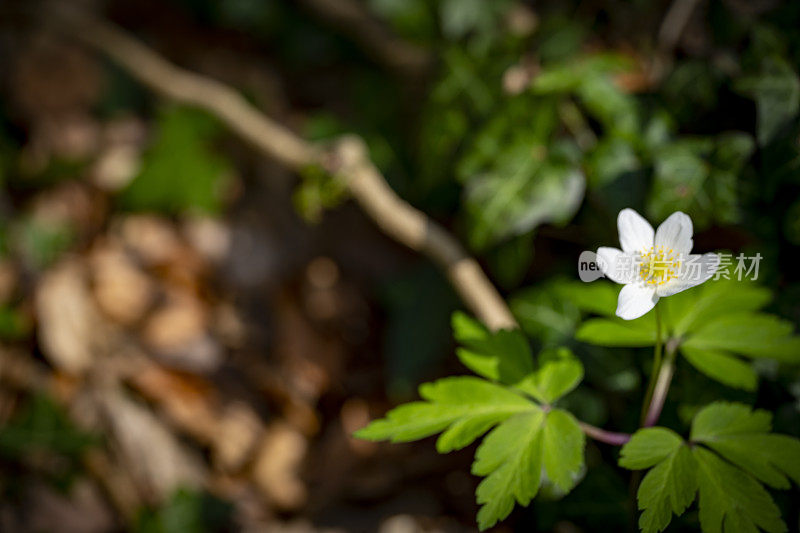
(189,332)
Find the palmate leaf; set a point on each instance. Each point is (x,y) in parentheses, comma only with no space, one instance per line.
(714,325)
(505,356)
(529,443)
(518,453)
(730,454)
(466,406)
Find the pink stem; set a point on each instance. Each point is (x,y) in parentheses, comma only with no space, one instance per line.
(609,437)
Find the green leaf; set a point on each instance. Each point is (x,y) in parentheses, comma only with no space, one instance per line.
(599,297)
(559,373)
(544,314)
(563,449)
(516,454)
(723,367)
(179,171)
(721,419)
(511,458)
(776,90)
(680,173)
(731,497)
(466,406)
(649,447)
(751,334)
(742,436)
(521,194)
(504,356)
(617,332)
(668,488)
(731,451)
(691,309)
(41,425)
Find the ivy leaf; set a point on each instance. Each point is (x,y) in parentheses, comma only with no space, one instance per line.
(776,90)
(504,356)
(466,407)
(516,454)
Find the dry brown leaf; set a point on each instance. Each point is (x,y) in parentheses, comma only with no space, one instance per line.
(69,324)
(177,334)
(237,435)
(188,401)
(277,464)
(156,459)
(122,290)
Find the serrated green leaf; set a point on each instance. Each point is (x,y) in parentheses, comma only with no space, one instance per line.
(515,455)
(689,310)
(563,449)
(731,451)
(741,435)
(511,458)
(504,356)
(731,497)
(616,332)
(668,488)
(722,367)
(559,373)
(751,334)
(467,403)
(721,419)
(649,447)
(769,458)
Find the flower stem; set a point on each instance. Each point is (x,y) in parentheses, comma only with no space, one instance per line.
(601,435)
(661,388)
(648,397)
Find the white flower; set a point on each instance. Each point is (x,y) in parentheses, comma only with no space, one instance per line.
(653,264)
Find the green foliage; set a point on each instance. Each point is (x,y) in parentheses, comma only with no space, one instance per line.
(532,444)
(41,425)
(180,172)
(776,90)
(711,325)
(317,192)
(41,242)
(730,454)
(187,511)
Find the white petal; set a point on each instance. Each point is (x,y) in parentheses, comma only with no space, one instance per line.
(617,266)
(635,233)
(635,300)
(675,233)
(695,269)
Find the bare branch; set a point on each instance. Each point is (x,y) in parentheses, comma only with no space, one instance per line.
(348,158)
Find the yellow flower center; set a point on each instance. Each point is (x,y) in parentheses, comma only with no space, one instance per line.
(659,265)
